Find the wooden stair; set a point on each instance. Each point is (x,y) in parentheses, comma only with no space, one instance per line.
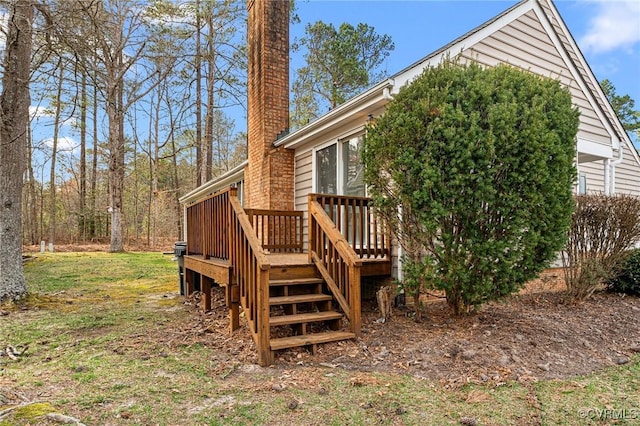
(300,308)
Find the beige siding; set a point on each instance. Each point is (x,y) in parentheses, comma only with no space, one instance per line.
(525,44)
(576,60)
(594,171)
(627,175)
(303,174)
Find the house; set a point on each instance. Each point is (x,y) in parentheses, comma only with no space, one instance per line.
(289,233)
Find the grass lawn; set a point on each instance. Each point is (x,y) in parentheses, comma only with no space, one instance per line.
(105,346)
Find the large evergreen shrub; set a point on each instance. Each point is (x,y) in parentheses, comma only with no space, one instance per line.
(473,168)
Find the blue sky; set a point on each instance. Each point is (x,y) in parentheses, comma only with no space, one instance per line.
(607,32)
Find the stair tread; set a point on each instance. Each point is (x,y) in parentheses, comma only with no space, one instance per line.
(304,318)
(301,298)
(310,339)
(295,281)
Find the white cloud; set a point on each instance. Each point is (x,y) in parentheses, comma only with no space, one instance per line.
(39,111)
(65,143)
(615,26)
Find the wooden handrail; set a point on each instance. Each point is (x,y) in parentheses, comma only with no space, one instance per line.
(357,220)
(333,234)
(251,275)
(243,220)
(208,226)
(337,262)
(333,287)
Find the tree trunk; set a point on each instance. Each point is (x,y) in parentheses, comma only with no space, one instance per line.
(208,134)
(82,223)
(94,166)
(116,150)
(54,153)
(198,65)
(176,181)
(116,171)
(14,120)
(34,235)
(154,170)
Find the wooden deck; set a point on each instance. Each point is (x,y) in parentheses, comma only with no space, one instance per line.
(289,297)
(219,270)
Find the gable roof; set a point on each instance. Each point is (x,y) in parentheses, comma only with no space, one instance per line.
(555,28)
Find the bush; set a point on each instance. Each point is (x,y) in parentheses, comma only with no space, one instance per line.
(628,278)
(473,168)
(603,230)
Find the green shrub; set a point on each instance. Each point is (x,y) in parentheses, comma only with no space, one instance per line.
(473,169)
(628,278)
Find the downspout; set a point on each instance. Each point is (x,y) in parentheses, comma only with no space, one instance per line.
(612,166)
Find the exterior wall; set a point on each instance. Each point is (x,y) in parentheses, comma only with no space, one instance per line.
(304,179)
(269,173)
(627,180)
(627,175)
(594,170)
(525,44)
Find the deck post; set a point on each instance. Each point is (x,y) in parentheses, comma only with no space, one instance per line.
(234,313)
(205,284)
(355,300)
(233,303)
(310,229)
(189,278)
(265,355)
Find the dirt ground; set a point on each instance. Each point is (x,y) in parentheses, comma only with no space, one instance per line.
(536,335)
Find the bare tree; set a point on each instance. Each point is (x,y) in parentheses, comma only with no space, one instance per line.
(14,120)
(118,33)
(54,153)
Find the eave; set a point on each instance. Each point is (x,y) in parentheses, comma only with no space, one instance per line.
(215,184)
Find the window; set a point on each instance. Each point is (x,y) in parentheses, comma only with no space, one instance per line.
(582,184)
(339,169)
(352,167)
(326,164)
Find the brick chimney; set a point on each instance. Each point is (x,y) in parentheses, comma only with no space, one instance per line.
(269,173)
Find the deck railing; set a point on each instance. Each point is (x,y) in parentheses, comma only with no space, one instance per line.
(218,227)
(358,222)
(251,274)
(337,262)
(208,226)
(279,231)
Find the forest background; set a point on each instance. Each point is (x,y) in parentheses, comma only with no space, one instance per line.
(174,86)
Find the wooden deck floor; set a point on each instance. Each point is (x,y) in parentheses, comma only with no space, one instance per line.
(219,270)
